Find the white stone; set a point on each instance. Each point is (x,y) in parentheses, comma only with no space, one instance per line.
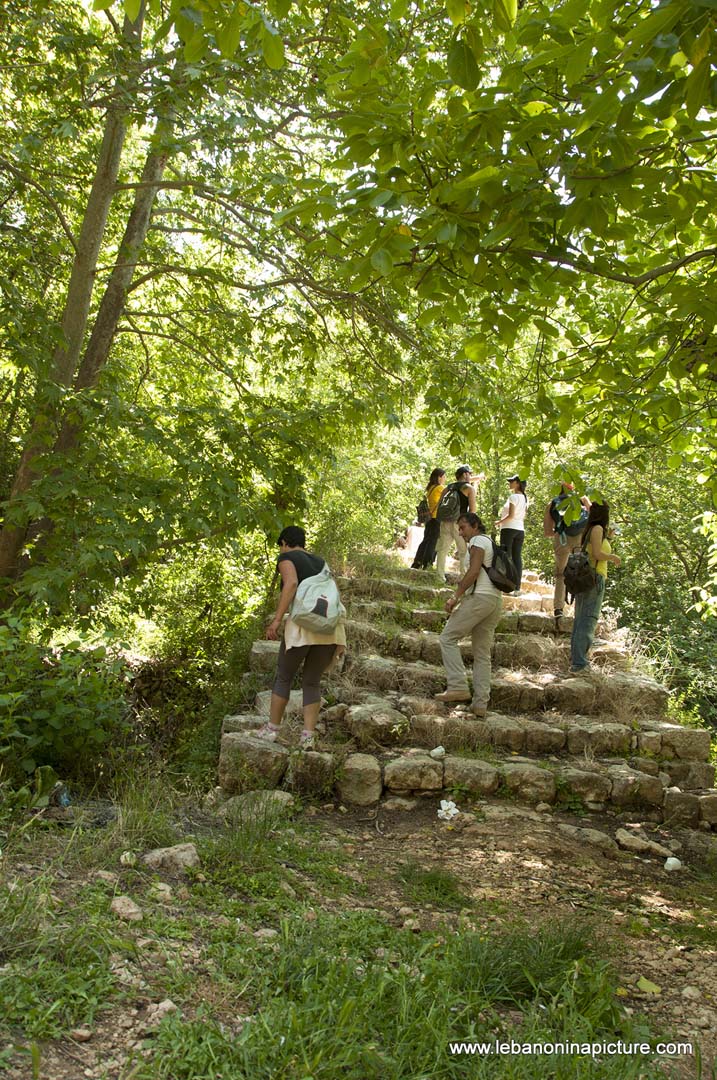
(125,908)
(672,864)
(174,860)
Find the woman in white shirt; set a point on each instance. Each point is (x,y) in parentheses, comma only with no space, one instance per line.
(512,524)
(475,609)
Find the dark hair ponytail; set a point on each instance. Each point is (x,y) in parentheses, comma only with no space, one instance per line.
(293,535)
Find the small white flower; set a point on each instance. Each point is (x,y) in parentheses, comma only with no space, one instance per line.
(448,810)
(128,858)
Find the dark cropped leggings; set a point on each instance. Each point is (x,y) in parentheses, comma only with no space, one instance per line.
(511,540)
(316,659)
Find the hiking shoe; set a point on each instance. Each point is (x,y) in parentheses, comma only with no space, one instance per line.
(453,695)
(479,712)
(266,731)
(558,613)
(581,670)
(306,740)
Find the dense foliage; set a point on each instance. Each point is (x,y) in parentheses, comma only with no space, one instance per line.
(262,264)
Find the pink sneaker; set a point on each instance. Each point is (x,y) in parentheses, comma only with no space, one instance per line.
(266,731)
(306,740)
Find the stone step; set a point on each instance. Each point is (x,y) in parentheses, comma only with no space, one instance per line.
(527,650)
(247,762)
(530,600)
(659,749)
(617,693)
(530,651)
(514,621)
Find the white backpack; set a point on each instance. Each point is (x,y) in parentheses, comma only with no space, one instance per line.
(317,605)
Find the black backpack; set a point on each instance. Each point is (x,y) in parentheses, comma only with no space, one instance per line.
(502,573)
(575,527)
(449,508)
(579,576)
(423,512)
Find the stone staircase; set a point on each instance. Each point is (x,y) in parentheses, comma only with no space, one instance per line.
(587,744)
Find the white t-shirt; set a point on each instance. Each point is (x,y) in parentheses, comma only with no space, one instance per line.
(520,505)
(483,582)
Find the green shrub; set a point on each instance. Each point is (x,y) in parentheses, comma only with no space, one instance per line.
(58,705)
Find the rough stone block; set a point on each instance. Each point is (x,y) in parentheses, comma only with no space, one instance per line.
(428,618)
(591,787)
(421,706)
(535,622)
(589,836)
(503,653)
(359,780)
(505,731)
(294,708)
(575,695)
(413,774)
(690,774)
(311,772)
(263,655)
(242,722)
(681,808)
(600,739)
(504,694)
(708,808)
(543,738)
(688,744)
(530,783)
(649,742)
(478,777)
(633,788)
(377,724)
(646,695)
(646,765)
(536,651)
(246,762)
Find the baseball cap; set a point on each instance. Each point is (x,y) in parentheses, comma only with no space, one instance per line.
(508,479)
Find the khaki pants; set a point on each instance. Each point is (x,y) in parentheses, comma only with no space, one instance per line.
(475,617)
(450,536)
(562,553)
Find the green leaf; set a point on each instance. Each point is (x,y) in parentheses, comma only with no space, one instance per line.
(132,9)
(461,66)
(505,12)
(381,261)
(457,11)
(102,5)
(578,62)
(229,36)
(659,21)
(272,48)
(697,87)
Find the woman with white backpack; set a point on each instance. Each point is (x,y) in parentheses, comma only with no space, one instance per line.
(314,632)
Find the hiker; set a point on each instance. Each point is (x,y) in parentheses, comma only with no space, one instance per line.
(512,525)
(475,610)
(299,645)
(588,604)
(426,553)
(566,538)
(458,498)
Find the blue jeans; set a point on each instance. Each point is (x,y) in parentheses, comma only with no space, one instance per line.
(587,613)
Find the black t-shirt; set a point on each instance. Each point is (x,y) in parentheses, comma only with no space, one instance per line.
(305,563)
(463,498)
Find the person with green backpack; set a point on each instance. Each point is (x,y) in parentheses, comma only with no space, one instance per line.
(457,498)
(566,536)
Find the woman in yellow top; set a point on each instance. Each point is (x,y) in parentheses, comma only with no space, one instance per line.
(427,548)
(588,604)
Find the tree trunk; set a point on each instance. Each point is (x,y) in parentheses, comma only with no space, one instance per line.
(77,306)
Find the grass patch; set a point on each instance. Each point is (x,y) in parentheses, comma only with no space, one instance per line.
(433,886)
(54,963)
(350,997)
